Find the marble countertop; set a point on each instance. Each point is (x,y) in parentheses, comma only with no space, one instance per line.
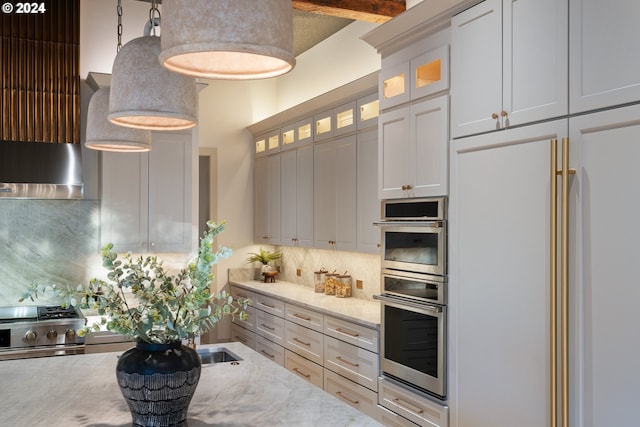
(357,310)
(82,391)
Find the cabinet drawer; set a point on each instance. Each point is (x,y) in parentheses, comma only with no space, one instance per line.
(237,292)
(353,334)
(248,323)
(246,337)
(354,363)
(270,350)
(268,304)
(304,368)
(351,393)
(411,404)
(391,419)
(270,326)
(302,316)
(306,342)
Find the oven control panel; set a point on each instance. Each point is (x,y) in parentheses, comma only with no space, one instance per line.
(42,334)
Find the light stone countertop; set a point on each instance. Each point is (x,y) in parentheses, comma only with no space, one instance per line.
(357,310)
(81,390)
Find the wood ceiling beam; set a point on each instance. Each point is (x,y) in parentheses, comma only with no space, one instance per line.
(378,11)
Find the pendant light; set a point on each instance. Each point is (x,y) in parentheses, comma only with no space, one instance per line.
(104,135)
(101,133)
(228,39)
(145,95)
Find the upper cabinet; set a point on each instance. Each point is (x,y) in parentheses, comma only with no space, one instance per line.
(423,75)
(146,197)
(604,65)
(508,64)
(413,150)
(267,143)
(267,200)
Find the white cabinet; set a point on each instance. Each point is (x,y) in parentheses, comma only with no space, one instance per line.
(297,196)
(146,197)
(413,150)
(334,193)
(304,368)
(500,210)
(368,111)
(351,393)
(416,407)
(267,199)
(367,203)
(425,74)
(268,143)
(508,64)
(604,69)
(297,134)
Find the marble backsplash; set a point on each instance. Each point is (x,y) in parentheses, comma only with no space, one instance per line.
(361,267)
(46,241)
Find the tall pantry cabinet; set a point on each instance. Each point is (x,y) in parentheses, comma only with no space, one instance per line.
(503,256)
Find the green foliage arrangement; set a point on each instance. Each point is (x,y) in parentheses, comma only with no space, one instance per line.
(169,307)
(264,257)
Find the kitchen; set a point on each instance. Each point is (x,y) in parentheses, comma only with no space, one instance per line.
(235,182)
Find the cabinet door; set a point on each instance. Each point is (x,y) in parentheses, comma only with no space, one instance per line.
(124,219)
(604,38)
(393,153)
(535,64)
(324,195)
(499,297)
(304,192)
(476,68)
(288,197)
(429,155)
(368,205)
(170,184)
(604,313)
(346,181)
(267,199)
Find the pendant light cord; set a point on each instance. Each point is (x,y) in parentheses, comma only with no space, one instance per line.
(119,11)
(154,16)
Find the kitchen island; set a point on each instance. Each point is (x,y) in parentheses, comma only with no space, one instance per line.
(81,390)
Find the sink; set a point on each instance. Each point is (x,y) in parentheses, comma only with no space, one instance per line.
(216,355)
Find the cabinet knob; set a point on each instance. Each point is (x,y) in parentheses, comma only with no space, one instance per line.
(494,116)
(504,113)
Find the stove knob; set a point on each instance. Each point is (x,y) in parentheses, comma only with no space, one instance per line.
(70,334)
(52,334)
(30,336)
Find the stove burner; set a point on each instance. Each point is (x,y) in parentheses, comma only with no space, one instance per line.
(57,312)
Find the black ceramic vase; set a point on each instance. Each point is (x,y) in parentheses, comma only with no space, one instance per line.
(158,382)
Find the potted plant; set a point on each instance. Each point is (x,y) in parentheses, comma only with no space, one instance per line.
(159,375)
(265,258)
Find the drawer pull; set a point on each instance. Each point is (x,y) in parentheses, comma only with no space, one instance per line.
(267,326)
(267,354)
(242,296)
(340,359)
(300,316)
(267,305)
(344,331)
(408,407)
(241,339)
(302,342)
(302,374)
(344,397)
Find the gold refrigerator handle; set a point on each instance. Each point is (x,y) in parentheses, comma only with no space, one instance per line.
(553,281)
(564,172)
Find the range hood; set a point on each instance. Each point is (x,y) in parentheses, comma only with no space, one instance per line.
(39,170)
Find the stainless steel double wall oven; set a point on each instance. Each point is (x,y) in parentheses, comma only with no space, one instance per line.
(414,293)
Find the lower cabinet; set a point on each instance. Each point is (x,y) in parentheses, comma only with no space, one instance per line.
(411,405)
(331,353)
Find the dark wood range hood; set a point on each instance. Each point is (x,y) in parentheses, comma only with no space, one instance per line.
(40,150)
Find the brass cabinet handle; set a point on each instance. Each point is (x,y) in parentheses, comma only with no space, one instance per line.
(267,326)
(494,116)
(344,397)
(408,407)
(267,354)
(240,339)
(503,113)
(344,331)
(301,342)
(266,305)
(302,374)
(340,359)
(300,316)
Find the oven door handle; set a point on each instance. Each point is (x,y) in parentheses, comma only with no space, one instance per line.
(433,224)
(409,303)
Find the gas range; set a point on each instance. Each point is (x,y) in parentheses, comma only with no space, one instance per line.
(35,331)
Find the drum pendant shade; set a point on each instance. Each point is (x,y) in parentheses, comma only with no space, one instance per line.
(227,39)
(104,135)
(145,95)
